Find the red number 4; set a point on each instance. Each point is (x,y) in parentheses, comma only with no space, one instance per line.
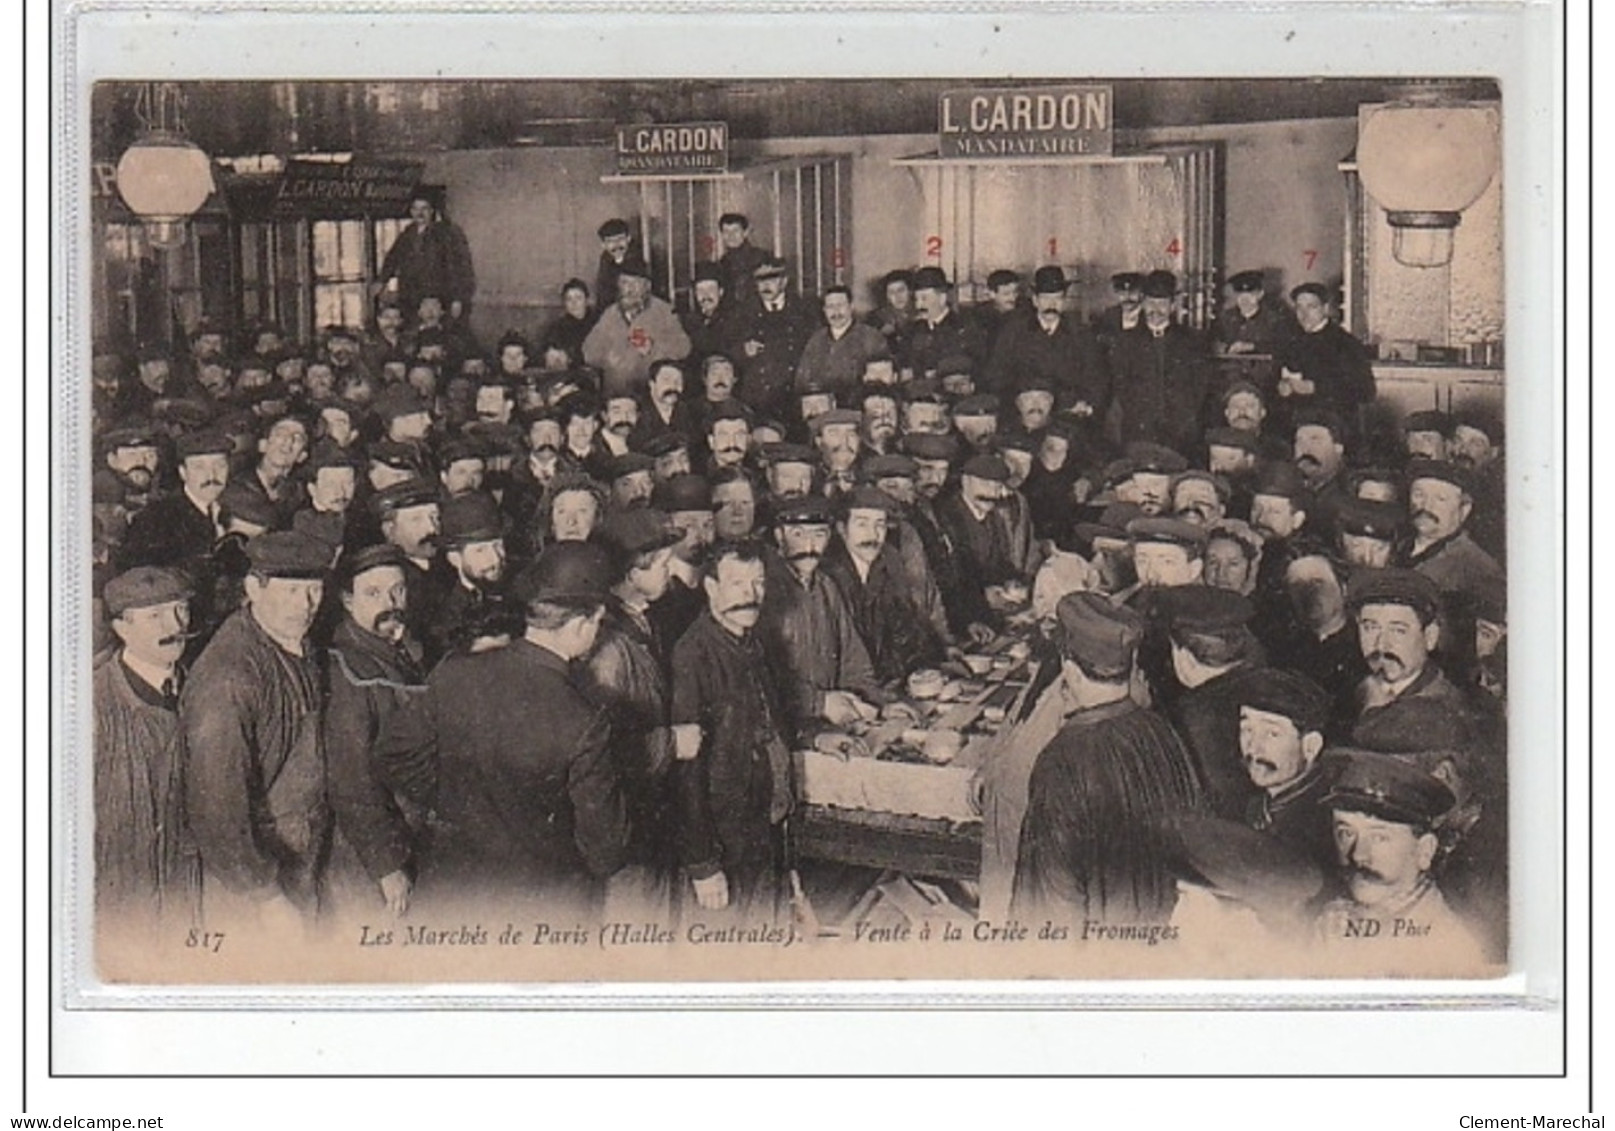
(1175,247)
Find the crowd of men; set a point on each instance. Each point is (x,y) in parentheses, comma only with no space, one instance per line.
(397,623)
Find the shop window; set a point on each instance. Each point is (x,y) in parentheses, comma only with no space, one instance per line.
(340,272)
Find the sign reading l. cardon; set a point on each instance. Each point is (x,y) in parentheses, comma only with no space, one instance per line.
(690,147)
(364,185)
(1047,121)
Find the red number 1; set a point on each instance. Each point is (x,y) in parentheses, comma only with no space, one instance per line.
(1054,248)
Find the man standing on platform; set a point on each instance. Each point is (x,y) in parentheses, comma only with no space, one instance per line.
(430,257)
(1323,365)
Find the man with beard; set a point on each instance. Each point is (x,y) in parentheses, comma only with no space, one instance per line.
(129,479)
(145,866)
(807,630)
(686,500)
(663,410)
(938,331)
(976,420)
(1368,532)
(410,519)
(1051,347)
(728,438)
(473,613)
(790,472)
(514,759)
(531,478)
(707,321)
(429,257)
(1323,366)
(732,773)
(628,673)
(1281,720)
(670,456)
(1397,613)
(1216,661)
(835,355)
(462,466)
(1158,372)
(768,334)
(374,667)
(634,330)
(1320,456)
(836,436)
(902,626)
(254,765)
(895,314)
(179,529)
(879,406)
(1441,499)
(983,566)
(1384,812)
(1092,841)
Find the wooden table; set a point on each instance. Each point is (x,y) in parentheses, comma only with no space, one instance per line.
(913,846)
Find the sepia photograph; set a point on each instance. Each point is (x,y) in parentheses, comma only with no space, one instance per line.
(726,530)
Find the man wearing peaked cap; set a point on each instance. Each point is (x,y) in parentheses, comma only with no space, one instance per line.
(980,566)
(1424,434)
(1397,613)
(1251,325)
(531,808)
(1369,532)
(145,872)
(409,515)
(939,331)
(1090,846)
(1050,346)
(1128,287)
(1384,810)
(769,332)
(255,777)
(1441,502)
(838,436)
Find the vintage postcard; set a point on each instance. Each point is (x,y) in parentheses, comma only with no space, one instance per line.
(794,528)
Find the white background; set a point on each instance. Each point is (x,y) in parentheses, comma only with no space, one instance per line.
(1306,40)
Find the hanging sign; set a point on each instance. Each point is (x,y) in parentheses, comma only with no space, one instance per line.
(689,148)
(364,185)
(1051,121)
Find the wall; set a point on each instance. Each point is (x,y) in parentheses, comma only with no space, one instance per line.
(530,214)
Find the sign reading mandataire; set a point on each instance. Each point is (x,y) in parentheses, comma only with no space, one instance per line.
(1053,121)
(691,147)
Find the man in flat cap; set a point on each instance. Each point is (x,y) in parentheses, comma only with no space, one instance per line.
(145,865)
(1051,346)
(1158,372)
(1251,325)
(128,479)
(1319,453)
(1441,501)
(1424,434)
(281,452)
(373,670)
(1476,443)
(770,330)
(835,354)
(981,572)
(255,763)
(899,616)
(332,476)
(1215,660)
(628,673)
(514,760)
(617,246)
(1281,722)
(430,257)
(1394,918)
(790,471)
(409,514)
(712,302)
(807,628)
(634,330)
(938,331)
(1093,845)
(1368,533)
(838,436)
(180,529)
(1397,612)
(1323,365)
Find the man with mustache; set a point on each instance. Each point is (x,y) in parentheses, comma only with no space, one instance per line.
(619,416)
(835,354)
(1424,434)
(1199,497)
(836,434)
(430,257)
(1278,514)
(670,456)
(706,322)
(1159,372)
(807,628)
(662,410)
(1441,501)
(901,624)
(129,479)
(686,500)
(938,331)
(1369,532)
(617,247)
(631,481)
(732,769)
(1383,811)
(145,865)
(632,332)
(983,569)
(462,466)
(728,438)
(768,334)
(473,612)
(879,405)
(1124,314)
(374,668)
(1281,721)
(179,529)
(531,479)
(790,472)
(332,476)
(1319,453)
(1405,692)
(1048,346)
(409,517)
(255,767)
(1251,325)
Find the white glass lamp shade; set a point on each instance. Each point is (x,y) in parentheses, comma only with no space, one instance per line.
(163,177)
(1424,165)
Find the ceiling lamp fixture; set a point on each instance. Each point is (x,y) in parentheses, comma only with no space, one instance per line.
(1425,158)
(164,177)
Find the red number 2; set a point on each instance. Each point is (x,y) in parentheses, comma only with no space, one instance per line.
(933,247)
